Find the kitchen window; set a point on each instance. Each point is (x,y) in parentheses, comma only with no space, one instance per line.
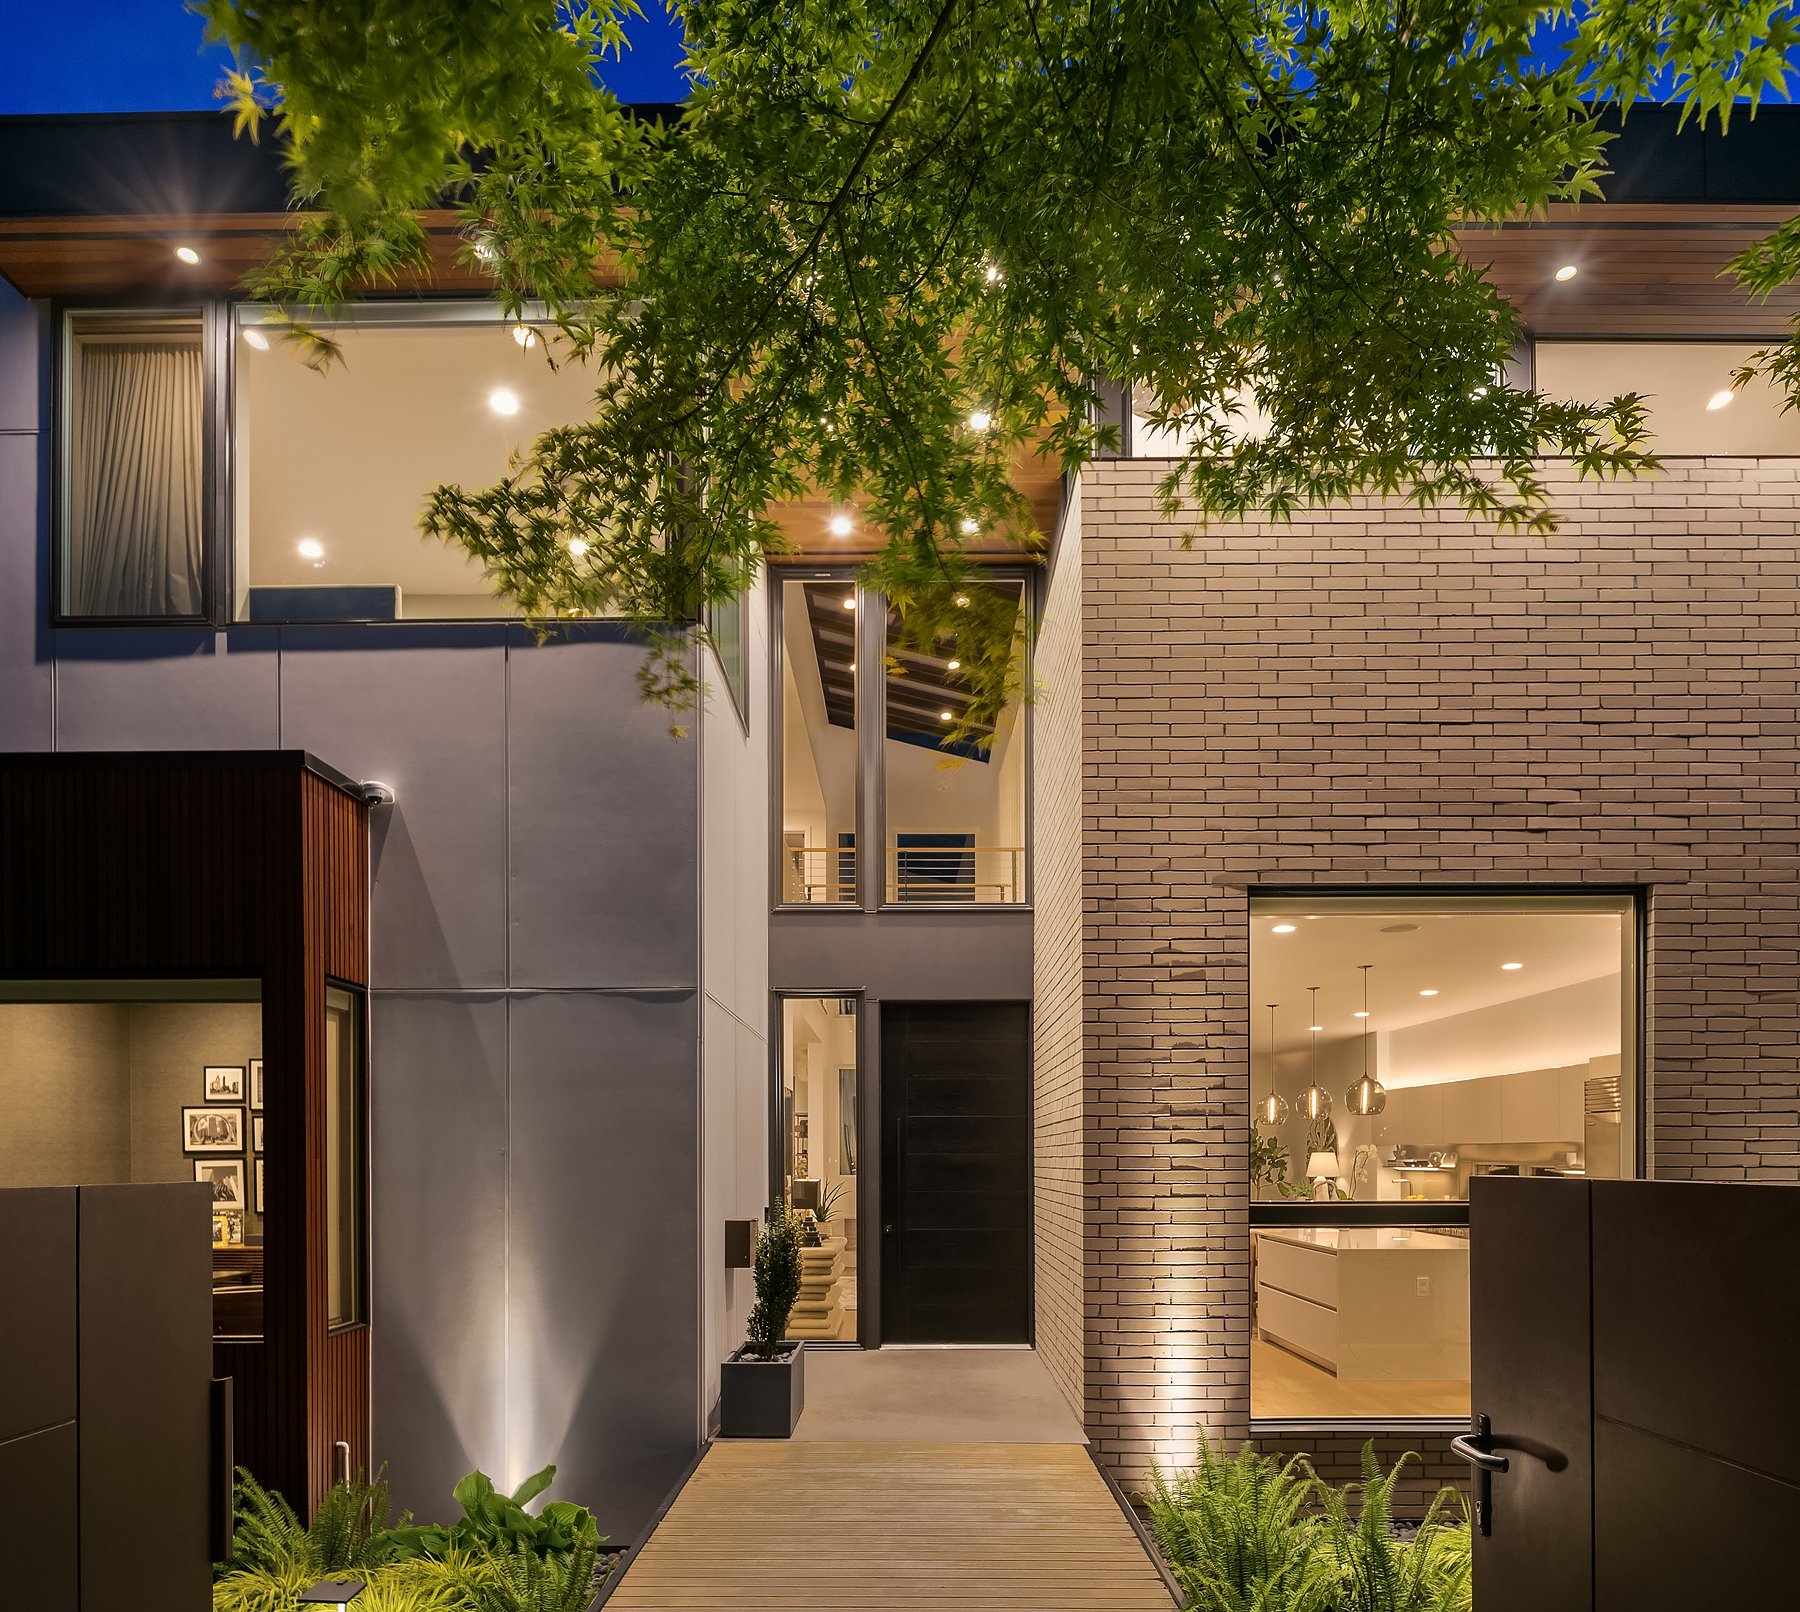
(1399,1047)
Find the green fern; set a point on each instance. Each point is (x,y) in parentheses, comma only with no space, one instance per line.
(1236,1536)
(349,1530)
(1376,1572)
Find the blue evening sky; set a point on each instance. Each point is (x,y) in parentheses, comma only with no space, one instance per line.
(147,56)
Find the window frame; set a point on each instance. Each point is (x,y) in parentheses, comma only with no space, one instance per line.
(214,581)
(871,737)
(1448,1214)
(359,1184)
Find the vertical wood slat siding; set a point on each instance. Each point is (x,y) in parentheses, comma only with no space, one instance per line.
(230,865)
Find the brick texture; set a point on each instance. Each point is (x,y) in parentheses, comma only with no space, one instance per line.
(1378,694)
(1056,990)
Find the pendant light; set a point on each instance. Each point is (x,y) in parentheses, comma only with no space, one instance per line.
(1273,1109)
(1368,1096)
(1315,1101)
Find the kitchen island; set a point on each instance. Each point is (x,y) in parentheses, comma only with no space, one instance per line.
(1366,1303)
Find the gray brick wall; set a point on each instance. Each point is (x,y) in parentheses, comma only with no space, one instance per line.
(1056,988)
(1376,693)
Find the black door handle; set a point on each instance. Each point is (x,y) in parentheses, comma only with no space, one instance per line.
(1471,1452)
(1472,1447)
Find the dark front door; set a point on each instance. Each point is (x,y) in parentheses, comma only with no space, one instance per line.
(956,1172)
(1632,1352)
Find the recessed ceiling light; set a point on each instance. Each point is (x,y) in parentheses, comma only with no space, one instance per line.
(502,401)
(187,254)
(578,546)
(256,338)
(946,716)
(850,602)
(524,335)
(1719,400)
(1315,1027)
(1427,993)
(1360,1013)
(1509,967)
(842,526)
(486,250)
(310,548)
(970,526)
(1283,929)
(980,420)
(953,666)
(991,273)
(1567,272)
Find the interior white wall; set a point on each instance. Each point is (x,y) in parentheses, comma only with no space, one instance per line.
(823,772)
(734,975)
(1544,1030)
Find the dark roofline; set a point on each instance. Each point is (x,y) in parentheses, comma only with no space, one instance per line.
(186,164)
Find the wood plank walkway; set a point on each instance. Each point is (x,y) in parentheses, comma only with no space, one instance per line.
(778,1526)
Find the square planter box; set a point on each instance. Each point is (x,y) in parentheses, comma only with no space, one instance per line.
(761,1398)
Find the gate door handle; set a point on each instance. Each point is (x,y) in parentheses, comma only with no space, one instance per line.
(1472,1447)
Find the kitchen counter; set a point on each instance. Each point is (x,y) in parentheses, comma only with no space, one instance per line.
(1366,1302)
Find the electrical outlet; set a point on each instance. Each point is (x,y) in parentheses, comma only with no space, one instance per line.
(1424,1287)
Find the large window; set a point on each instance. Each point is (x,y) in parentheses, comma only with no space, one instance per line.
(1400,1047)
(109,1081)
(955,808)
(132,489)
(333,466)
(819,768)
(818,1142)
(944,802)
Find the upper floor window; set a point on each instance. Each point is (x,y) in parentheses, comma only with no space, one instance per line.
(332,466)
(132,484)
(944,806)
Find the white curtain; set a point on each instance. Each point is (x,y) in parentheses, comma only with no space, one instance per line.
(134,478)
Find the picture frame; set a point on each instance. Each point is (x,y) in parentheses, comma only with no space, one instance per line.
(212,1130)
(259,1186)
(222,1082)
(226,1178)
(256,1141)
(218,1228)
(233,1220)
(256,1085)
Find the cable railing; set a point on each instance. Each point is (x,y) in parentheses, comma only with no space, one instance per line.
(918,874)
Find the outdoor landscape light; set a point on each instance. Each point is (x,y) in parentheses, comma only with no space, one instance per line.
(311,548)
(502,401)
(1567,272)
(953,666)
(1719,400)
(256,339)
(842,526)
(980,420)
(187,254)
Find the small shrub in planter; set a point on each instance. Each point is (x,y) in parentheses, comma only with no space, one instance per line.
(762,1387)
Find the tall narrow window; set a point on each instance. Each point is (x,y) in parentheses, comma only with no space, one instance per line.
(818,1158)
(818,742)
(955,796)
(133,428)
(1400,1047)
(343,1158)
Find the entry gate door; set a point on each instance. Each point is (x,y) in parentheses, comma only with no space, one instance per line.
(1634,1363)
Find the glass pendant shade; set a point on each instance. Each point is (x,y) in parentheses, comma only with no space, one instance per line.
(1368,1096)
(1315,1101)
(1273,1109)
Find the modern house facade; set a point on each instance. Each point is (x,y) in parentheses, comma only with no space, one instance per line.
(1160,1028)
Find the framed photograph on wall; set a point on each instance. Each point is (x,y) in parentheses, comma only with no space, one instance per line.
(226,1178)
(223,1082)
(212,1130)
(256,1085)
(259,1189)
(256,1133)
